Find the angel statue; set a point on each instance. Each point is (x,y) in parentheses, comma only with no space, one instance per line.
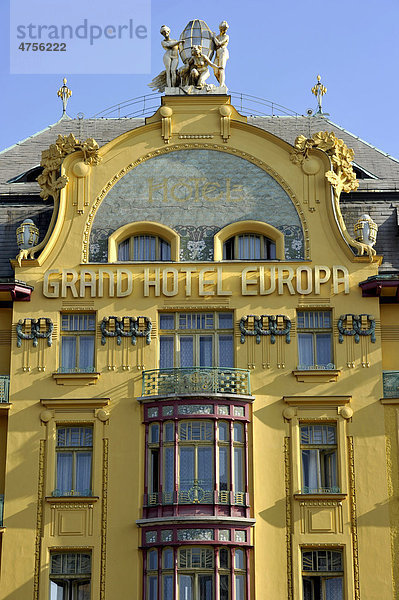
(222,53)
(167,78)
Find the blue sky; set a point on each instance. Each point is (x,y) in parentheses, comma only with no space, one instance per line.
(276,51)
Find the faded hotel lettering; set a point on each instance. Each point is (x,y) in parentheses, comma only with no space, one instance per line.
(170,281)
(194,189)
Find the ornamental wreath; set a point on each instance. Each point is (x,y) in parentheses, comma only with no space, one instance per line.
(259,330)
(357,330)
(120,331)
(35,332)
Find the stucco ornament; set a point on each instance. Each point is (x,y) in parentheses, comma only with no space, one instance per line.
(196,47)
(119,330)
(356,331)
(35,333)
(52,182)
(273,329)
(342,176)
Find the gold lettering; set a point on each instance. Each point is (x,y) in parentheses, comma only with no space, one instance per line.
(119,280)
(91,283)
(211,187)
(272,287)
(156,187)
(282,281)
(319,280)
(343,279)
(219,284)
(308,276)
(111,282)
(188,271)
(69,284)
(181,184)
(55,285)
(175,281)
(246,282)
(156,282)
(203,282)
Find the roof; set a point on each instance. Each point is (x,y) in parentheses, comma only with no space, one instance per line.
(19,200)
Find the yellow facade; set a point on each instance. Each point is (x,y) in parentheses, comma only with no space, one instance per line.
(358,519)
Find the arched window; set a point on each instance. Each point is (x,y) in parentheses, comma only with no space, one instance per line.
(249,246)
(144,247)
(249,240)
(143,240)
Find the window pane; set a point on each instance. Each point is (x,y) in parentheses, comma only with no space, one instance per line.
(305,349)
(239,562)
(223,468)
(186,351)
(205,468)
(168,558)
(154,433)
(169,467)
(205,587)
(225,320)
(152,560)
(83,473)
(123,250)
(206,351)
(166,321)
(186,587)
(311,469)
(86,352)
(168,433)
(82,589)
(166,352)
(223,431)
(323,348)
(334,588)
(186,468)
(152,587)
(57,589)
(224,558)
(64,472)
(226,354)
(224,587)
(238,470)
(167,587)
(240,587)
(238,429)
(68,352)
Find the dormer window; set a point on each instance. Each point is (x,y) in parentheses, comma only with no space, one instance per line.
(144,247)
(249,246)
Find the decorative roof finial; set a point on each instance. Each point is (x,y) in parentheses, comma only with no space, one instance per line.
(319,90)
(64,93)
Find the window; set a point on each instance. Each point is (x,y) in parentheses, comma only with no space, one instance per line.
(197,469)
(74,451)
(77,343)
(315,340)
(319,459)
(196,339)
(196,569)
(70,574)
(249,246)
(144,247)
(322,575)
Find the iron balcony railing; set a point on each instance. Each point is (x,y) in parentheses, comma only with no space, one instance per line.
(4,388)
(390,381)
(196,380)
(1,509)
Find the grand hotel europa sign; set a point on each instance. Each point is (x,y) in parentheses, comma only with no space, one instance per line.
(194,281)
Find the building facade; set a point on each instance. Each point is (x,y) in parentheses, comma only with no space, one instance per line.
(199,361)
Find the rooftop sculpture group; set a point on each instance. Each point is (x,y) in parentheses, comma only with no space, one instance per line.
(197,46)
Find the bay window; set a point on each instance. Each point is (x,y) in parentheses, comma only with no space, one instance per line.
(196,340)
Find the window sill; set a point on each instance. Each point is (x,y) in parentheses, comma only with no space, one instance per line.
(321,496)
(315,375)
(75,378)
(72,499)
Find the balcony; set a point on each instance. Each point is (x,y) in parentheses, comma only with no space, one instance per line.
(4,388)
(191,381)
(1,509)
(390,381)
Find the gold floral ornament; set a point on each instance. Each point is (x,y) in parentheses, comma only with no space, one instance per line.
(52,182)
(342,176)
